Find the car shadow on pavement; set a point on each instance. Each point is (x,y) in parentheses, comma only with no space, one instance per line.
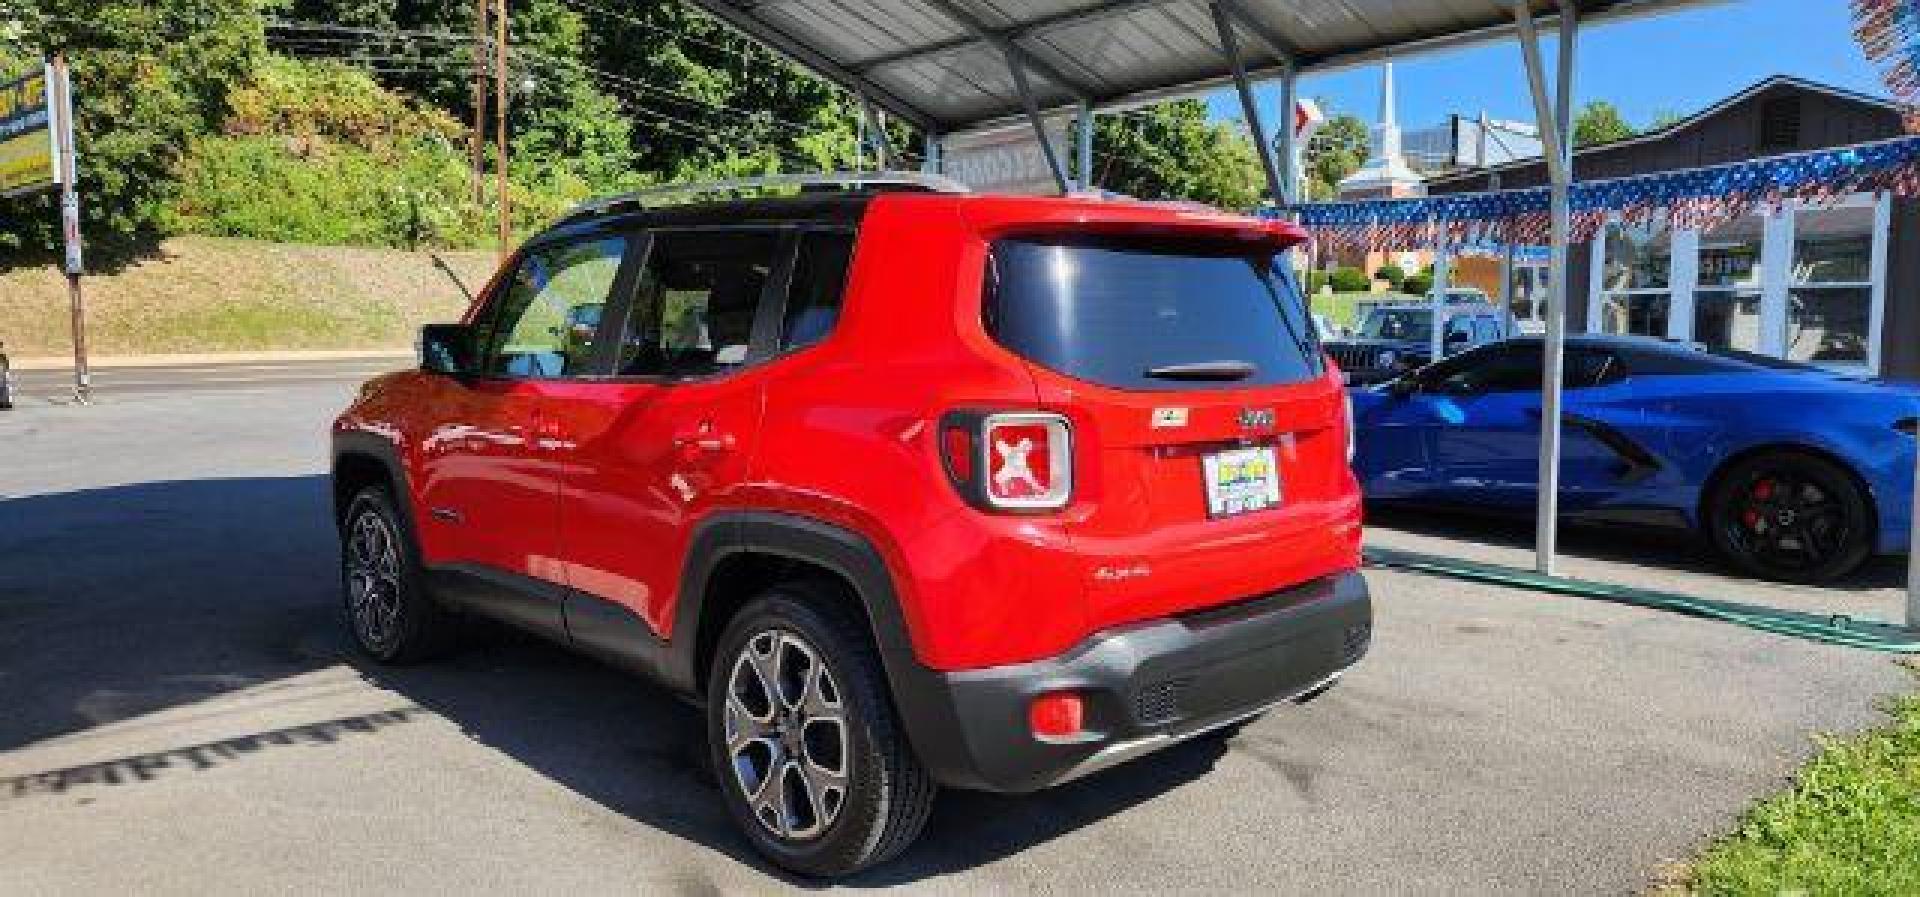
(124,601)
(1679,552)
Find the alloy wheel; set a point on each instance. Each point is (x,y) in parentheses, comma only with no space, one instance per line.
(786,735)
(1786,520)
(373,579)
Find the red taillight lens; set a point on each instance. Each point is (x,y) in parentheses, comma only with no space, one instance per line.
(1057,715)
(956,445)
(1029,460)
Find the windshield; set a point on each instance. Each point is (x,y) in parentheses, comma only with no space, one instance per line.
(1151,313)
(1398,323)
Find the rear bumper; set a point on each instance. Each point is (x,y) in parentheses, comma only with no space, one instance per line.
(1145,686)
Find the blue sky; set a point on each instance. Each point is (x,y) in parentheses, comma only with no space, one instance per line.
(1680,62)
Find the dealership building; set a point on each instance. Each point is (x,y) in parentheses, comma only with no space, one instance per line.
(1831,283)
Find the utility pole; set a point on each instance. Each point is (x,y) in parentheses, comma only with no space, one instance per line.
(500,125)
(477,140)
(60,102)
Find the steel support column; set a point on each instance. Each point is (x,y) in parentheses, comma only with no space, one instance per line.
(1289,153)
(1553,116)
(877,136)
(1249,104)
(1913,554)
(930,161)
(1083,164)
(1442,279)
(1032,106)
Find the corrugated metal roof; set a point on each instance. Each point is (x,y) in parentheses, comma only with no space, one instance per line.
(940,63)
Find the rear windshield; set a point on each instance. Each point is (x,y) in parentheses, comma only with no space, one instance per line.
(1151,314)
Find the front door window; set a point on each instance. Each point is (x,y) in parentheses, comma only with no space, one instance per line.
(545,320)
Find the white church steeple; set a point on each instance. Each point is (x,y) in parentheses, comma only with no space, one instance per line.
(1386,172)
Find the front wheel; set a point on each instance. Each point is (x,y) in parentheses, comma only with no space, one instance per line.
(392,617)
(1791,517)
(809,755)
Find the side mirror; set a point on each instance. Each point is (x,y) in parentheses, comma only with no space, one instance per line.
(446,349)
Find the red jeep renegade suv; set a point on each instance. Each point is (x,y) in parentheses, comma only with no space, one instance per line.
(906,487)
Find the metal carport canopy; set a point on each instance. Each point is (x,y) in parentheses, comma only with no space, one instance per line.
(944,65)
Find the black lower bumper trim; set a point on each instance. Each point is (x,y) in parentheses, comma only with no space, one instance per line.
(1145,686)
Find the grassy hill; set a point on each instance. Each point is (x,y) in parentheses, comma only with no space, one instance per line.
(207,294)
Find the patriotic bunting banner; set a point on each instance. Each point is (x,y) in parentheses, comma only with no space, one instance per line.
(1889,32)
(1693,199)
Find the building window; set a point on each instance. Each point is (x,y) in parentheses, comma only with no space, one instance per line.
(1635,292)
(1830,302)
(1726,310)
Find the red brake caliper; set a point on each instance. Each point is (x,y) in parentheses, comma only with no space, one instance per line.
(1761,491)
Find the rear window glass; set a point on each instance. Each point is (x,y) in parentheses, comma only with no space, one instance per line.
(1146,314)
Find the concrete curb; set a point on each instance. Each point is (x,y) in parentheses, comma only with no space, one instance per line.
(65,362)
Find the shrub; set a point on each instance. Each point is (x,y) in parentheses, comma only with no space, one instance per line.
(1394,275)
(1351,280)
(1418,284)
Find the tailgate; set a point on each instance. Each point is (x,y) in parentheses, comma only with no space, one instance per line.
(1209,433)
(1154,544)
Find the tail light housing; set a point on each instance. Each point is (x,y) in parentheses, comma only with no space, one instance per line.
(1009,460)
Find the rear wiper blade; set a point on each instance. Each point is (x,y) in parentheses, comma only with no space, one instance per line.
(1203,370)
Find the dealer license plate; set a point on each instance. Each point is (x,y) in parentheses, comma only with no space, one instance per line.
(1241,481)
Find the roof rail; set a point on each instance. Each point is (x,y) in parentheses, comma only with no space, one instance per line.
(849,180)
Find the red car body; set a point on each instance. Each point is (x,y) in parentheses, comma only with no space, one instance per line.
(612,492)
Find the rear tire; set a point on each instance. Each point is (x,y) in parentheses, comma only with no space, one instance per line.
(811,760)
(388,609)
(1792,517)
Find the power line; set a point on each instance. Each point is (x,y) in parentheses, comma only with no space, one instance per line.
(405,35)
(630,19)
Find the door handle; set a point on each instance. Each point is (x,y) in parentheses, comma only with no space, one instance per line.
(550,435)
(704,441)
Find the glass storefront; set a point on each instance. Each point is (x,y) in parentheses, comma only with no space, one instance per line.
(1726,298)
(1635,297)
(1804,282)
(1830,312)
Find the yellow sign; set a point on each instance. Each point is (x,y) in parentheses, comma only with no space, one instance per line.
(26,136)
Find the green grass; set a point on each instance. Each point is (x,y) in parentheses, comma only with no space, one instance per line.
(1849,825)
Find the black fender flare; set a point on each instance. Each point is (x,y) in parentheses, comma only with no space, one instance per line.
(919,694)
(379,450)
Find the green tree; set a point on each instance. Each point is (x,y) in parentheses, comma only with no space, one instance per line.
(1336,151)
(149,75)
(1172,151)
(1600,122)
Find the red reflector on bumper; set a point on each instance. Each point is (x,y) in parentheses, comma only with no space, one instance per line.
(1056,715)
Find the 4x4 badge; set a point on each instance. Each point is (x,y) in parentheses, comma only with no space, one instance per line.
(1256,418)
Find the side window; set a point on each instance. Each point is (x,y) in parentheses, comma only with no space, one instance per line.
(1460,326)
(543,321)
(1587,368)
(1486,329)
(819,280)
(693,312)
(1505,370)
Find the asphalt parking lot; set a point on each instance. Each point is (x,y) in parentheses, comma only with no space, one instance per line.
(179,712)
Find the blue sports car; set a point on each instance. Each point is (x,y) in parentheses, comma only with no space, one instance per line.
(1792,472)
